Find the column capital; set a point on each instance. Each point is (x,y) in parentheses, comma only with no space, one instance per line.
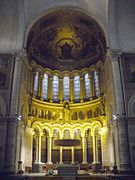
(18,55)
(114,54)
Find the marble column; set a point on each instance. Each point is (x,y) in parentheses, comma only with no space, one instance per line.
(38,148)
(94,148)
(61,156)
(73,155)
(71,90)
(49,151)
(40,90)
(82,89)
(92,91)
(50,80)
(61,90)
(84,150)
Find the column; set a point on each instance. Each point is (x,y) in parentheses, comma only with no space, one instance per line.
(30,81)
(15,94)
(125,161)
(38,148)
(32,85)
(49,152)
(10,151)
(94,148)
(82,89)
(105,146)
(61,155)
(92,91)
(41,87)
(115,57)
(60,90)
(50,80)
(73,156)
(71,90)
(84,150)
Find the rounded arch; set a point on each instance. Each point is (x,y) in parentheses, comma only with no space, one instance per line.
(131,106)
(60,6)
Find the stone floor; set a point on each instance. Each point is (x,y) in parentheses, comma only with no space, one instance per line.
(82,175)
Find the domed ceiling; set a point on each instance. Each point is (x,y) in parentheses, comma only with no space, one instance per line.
(66,40)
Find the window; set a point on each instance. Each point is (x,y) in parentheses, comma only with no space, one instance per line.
(96,82)
(36,84)
(87,86)
(76,87)
(66,87)
(45,87)
(55,88)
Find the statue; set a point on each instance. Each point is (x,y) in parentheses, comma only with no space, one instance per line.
(66,51)
(66,112)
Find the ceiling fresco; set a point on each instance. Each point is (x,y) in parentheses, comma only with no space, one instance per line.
(66,40)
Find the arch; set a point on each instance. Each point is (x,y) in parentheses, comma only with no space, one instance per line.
(70,7)
(131,106)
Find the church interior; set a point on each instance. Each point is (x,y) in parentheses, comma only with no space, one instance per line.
(67,86)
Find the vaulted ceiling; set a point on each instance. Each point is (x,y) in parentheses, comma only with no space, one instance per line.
(116,17)
(65,37)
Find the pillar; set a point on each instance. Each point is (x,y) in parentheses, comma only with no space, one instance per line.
(11,140)
(14,101)
(106,157)
(50,80)
(94,148)
(61,155)
(92,88)
(73,156)
(84,150)
(82,89)
(49,151)
(39,86)
(125,161)
(60,90)
(71,90)
(117,80)
(38,148)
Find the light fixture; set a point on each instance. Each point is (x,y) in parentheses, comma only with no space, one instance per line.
(114,117)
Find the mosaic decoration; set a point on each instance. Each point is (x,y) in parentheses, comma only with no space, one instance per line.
(66,36)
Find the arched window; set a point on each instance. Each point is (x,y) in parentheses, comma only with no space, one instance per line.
(36,84)
(76,88)
(55,88)
(45,87)
(66,87)
(96,82)
(87,86)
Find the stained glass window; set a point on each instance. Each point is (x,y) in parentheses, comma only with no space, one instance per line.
(55,88)
(45,87)
(87,86)
(66,87)
(36,83)
(96,82)
(76,87)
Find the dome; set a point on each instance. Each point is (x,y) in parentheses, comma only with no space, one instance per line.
(66,40)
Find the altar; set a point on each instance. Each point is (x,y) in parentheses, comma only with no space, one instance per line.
(67,169)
